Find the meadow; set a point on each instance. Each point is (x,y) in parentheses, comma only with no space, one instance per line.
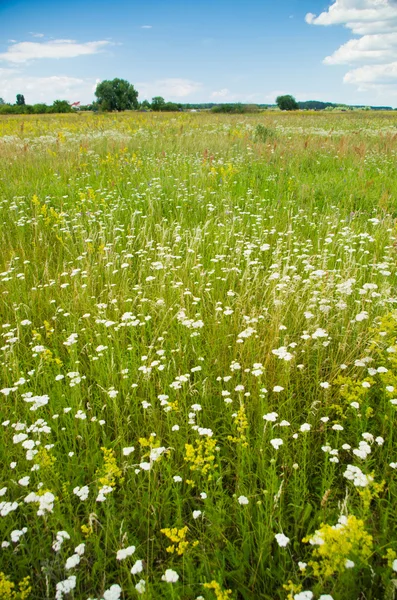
(198,356)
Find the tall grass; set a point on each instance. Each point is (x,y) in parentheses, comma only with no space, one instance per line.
(223,302)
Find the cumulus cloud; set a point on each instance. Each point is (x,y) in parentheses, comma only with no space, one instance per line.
(170,89)
(23,52)
(361,16)
(375,21)
(45,89)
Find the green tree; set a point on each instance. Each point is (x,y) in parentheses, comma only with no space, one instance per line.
(117,94)
(158,103)
(20,100)
(60,106)
(1,102)
(287,102)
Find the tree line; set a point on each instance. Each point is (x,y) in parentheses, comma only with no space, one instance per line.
(118,95)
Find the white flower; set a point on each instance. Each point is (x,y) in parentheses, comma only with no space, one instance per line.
(137,567)
(278,389)
(141,586)
(276,443)
(196,514)
(82,492)
(319,333)
(324,385)
(272,416)
(394,565)
(307,595)
(177,478)
(122,554)
(113,593)
(72,562)
(349,564)
(282,540)
(127,451)
(325,597)
(170,576)
(243,500)
(60,538)
(64,587)
(305,427)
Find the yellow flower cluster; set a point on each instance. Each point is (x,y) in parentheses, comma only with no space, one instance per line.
(110,471)
(8,591)
(178,539)
(201,456)
(219,593)
(241,423)
(336,545)
(45,459)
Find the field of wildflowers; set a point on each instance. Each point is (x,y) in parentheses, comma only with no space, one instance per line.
(198,357)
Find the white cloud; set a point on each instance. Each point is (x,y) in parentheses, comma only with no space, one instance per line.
(22,52)
(146,26)
(374,48)
(170,89)
(361,16)
(45,89)
(36,35)
(369,75)
(224,93)
(376,22)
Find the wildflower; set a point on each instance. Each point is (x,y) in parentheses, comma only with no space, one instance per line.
(282,540)
(196,514)
(141,586)
(137,567)
(305,427)
(64,587)
(307,595)
(243,500)
(125,552)
(170,576)
(278,389)
(355,474)
(113,593)
(276,443)
(72,562)
(272,417)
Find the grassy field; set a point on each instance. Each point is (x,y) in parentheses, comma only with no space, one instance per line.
(198,357)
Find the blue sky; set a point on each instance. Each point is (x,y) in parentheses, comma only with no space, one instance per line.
(202,50)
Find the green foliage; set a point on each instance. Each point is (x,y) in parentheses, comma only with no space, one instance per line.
(287,102)
(263,133)
(20,100)
(208,301)
(234,108)
(116,95)
(61,106)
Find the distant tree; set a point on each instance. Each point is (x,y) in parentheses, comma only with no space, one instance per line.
(287,102)
(60,106)
(117,94)
(1,101)
(158,103)
(145,105)
(39,109)
(20,100)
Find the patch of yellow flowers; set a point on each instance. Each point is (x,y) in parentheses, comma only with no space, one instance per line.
(336,545)
(201,456)
(8,589)
(178,539)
